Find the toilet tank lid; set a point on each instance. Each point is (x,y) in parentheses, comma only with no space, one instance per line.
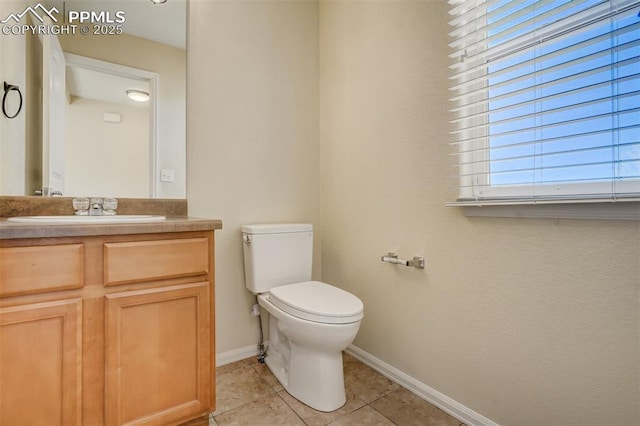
(276,228)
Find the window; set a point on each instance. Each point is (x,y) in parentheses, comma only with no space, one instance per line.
(546,100)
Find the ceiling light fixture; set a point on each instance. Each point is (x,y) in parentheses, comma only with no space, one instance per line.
(158,1)
(138,95)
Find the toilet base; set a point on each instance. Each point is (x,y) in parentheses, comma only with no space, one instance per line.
(316,379)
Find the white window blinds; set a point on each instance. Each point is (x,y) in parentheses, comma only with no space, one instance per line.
(546,99)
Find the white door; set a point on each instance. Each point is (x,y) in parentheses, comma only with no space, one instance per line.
(53,115)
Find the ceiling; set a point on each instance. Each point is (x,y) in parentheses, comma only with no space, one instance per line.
(164,23)
(91,84)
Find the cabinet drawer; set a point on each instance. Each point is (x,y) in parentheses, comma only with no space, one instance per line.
(36,269)
(148,260)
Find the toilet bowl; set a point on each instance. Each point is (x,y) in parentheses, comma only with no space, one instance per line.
(310,322)
(305,355)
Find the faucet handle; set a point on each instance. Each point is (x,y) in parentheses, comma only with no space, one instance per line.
(109,206)
(81,206)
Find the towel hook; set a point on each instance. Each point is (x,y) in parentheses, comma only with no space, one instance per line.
(8,88)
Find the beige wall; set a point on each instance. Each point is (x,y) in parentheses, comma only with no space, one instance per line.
(252,133)
(100,156)
(12,132)
(527,322)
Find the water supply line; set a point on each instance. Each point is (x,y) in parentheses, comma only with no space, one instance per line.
(255,311)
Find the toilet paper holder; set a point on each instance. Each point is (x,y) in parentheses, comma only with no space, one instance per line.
(416,262)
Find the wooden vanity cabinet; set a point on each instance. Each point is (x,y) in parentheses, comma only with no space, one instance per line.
(107,330)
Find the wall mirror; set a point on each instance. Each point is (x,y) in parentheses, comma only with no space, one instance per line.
(80,132)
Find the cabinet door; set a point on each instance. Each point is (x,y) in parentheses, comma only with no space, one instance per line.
(157,355)
(40,363)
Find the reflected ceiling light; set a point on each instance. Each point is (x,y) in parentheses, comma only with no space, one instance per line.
(158,1)
(138,95)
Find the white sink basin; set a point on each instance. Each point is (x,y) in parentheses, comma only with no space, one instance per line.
(85,220)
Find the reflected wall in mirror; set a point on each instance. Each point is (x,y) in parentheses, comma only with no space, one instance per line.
(90,139)
(98,105)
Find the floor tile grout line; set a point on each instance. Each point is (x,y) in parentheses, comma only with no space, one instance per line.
(246,403)
(241,367)
(382,414)
(274,386)
(291,408)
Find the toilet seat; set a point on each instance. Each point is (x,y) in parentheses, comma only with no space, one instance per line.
(318,302)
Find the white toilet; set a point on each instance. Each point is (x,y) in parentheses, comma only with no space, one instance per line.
(310,322)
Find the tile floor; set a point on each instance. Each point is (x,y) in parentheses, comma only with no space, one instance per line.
(248,394)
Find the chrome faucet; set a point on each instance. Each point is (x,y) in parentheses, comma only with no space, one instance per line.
(95,207)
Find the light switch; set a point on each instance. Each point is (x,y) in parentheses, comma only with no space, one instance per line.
(166,175)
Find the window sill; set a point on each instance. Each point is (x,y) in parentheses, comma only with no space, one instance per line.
(606,210)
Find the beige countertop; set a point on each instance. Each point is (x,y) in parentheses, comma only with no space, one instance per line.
(171,224)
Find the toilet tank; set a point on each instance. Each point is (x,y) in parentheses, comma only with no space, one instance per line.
(276,254)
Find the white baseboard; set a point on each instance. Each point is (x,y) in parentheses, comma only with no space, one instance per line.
(438,399)
(236,355)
